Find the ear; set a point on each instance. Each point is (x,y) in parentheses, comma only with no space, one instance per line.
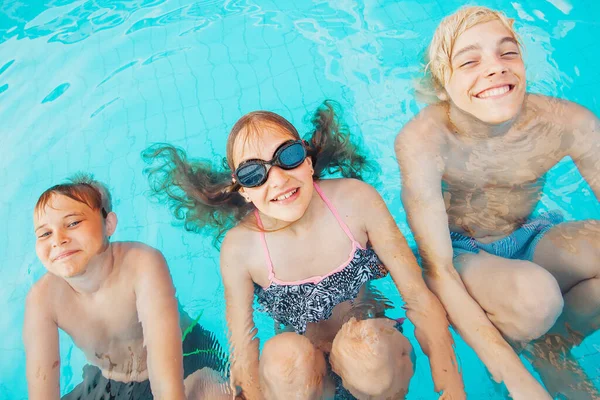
(310,164)
(111,221)
(442,95)
(243,193)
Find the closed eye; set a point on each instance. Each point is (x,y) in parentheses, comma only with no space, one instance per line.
(510,53)
(467,63)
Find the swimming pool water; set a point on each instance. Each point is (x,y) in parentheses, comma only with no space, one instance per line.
(86,85)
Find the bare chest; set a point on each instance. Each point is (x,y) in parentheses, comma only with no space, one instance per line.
(325,250)
(106,328)
(500,164)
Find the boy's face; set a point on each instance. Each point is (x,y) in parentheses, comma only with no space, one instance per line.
(69,234)
(488,74)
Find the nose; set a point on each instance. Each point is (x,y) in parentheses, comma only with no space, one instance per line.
(277,177)
(59,239)
(495,67)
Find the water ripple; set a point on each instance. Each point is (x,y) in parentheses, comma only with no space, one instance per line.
(80,22)
(115,72)
(5,66)
(56,93)
(203,13)
(163,54)
(103,106)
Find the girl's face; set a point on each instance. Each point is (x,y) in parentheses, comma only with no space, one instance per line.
(286,194)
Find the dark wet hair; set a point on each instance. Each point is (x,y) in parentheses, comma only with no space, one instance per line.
(204,196)
(81,187)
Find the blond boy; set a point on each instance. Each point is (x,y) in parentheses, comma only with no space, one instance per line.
(117,302)
(473,166)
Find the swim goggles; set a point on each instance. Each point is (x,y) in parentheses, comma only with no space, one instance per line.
(254,172)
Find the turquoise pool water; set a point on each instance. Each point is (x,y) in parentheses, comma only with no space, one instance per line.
(86,85)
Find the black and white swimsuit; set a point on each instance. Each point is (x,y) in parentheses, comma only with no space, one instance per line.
(297,303)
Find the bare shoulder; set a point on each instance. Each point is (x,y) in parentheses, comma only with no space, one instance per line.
(580,117)
(239,247)
(427,130)
(551,105)
(344,191)
(137,258)
(43,306)
(237,240)
(344,186)
(44,293)
(563,112)
(131,251)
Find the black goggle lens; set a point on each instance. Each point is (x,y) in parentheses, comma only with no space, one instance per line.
(292,156)
(251,175)
(255,172)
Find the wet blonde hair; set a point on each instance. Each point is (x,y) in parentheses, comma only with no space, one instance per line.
(438,56)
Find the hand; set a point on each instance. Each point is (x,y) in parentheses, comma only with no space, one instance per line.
(240,394)
(454,393)
(206,383)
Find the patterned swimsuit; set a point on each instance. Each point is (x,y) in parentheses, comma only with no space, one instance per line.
(295,304)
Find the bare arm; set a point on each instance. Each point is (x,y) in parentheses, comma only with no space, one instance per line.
(239,295)
(585,150)
(422,167)
(158,312)
(423,308)
(40,335)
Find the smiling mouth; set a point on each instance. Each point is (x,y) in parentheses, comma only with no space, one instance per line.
(495,92)
(65,255)
(285,196)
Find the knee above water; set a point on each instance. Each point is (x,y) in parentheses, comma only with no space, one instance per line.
(538,302)
(289,358)
(371,357)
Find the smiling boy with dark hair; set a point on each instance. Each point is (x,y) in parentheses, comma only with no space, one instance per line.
(117,302)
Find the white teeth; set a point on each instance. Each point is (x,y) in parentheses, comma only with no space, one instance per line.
(494,92)
(286,196)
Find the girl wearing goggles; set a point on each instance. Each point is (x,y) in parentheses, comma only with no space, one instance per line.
(306,249)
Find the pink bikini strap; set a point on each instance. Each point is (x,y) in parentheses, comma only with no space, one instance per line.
(264,243)
(264,240)
(334,212)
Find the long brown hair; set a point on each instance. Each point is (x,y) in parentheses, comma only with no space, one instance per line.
(204,196)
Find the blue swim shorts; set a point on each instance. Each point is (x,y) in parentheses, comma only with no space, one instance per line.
(519,245)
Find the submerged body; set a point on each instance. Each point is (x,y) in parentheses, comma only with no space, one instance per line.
(492,185)
(111,336)
(303,277)
(115,300)
(473,168)
(306,249)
